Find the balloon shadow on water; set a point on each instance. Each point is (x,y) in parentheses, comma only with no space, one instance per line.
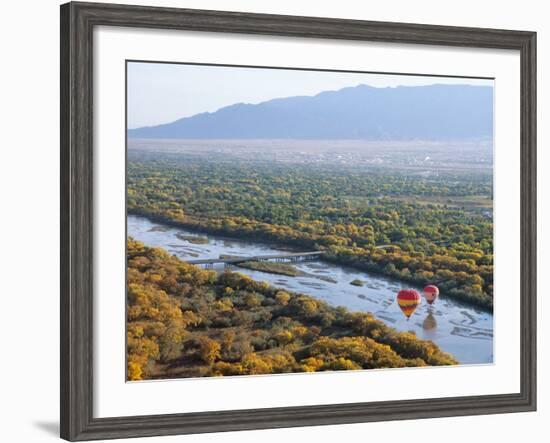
(429,322)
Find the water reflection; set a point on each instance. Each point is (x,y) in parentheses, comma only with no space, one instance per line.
(429,322)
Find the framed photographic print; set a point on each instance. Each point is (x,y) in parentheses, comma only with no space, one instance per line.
(273,221)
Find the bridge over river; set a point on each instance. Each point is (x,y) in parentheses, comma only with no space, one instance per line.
(232,260)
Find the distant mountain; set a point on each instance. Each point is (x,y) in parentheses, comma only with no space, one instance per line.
(361,112)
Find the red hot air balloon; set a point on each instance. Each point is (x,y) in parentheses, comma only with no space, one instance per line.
(431,292)
(408,300)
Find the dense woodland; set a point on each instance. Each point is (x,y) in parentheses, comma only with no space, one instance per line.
(187,322)
(434,228)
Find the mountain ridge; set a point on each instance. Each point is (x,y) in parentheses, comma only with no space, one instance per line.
(436,111)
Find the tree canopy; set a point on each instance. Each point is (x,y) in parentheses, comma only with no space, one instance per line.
(419,229)
(187,322)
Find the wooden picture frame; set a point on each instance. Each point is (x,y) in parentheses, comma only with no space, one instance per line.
(77,23)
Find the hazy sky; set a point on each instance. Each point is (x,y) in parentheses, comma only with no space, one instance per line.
(162,92)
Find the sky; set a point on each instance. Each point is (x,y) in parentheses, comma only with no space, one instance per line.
(163,92)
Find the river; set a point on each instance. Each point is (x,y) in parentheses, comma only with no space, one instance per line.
(462,330)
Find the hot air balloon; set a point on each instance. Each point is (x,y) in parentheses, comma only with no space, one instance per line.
(431,292)
(408,300)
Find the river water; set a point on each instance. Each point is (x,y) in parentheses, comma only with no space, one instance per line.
(462,330)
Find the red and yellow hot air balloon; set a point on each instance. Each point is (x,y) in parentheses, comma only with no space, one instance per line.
(431,292)
(408,300)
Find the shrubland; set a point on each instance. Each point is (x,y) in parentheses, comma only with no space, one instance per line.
(183,321)
(420,229)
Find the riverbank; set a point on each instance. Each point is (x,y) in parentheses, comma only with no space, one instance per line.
(363,263)
(188,322)
(462,329)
